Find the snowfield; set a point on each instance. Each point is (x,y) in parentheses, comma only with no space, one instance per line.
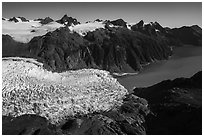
(82,29)
(29,89)
(25,31)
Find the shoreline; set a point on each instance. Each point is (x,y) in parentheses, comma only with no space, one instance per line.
(121,75)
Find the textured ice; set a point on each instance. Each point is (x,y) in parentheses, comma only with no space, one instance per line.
(30,89)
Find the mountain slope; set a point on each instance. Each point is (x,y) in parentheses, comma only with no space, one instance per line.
(108,45)
(116,50)
(176,106)
(188,35)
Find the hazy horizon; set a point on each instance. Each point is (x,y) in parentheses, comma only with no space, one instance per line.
(168,14)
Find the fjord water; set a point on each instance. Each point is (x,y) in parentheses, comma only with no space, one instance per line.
(185,62)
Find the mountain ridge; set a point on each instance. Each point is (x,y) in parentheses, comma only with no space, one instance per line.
(110,45)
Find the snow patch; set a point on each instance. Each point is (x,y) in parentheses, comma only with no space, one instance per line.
(157,30)
(82,29)
(19,20)
(129,25)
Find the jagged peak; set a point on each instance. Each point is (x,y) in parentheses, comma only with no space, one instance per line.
(46,20)
(119,22)
(68,20)
(65,15)
(98,20)
(140,23)
(18,19)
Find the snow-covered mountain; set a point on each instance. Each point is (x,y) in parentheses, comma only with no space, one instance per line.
(111,45)
(24,31)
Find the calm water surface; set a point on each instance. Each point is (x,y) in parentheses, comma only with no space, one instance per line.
(185,62)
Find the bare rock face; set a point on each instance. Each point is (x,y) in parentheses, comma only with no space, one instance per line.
(30,89)
(17,19)
(23,19)
(13,19)
(68,20)
(46,20)
(119,22)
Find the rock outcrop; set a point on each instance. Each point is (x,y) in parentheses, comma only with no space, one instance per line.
(176,106)
(46,20)
(13,19)
(18,19)
(23,19)
(156,31)
(68,21)
(119,22)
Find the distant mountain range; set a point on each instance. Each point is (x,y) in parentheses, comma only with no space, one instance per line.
(116,46)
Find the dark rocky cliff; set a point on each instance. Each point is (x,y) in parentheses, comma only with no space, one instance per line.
(176,106)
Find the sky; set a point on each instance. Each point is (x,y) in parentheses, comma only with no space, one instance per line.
(168,14)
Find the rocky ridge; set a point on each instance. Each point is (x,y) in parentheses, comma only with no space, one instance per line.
(107,45)
(46,20)
(18,19)
(112,49)
(68,21)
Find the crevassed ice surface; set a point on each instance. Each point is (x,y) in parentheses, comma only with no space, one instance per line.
(21,31)
(29,89)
